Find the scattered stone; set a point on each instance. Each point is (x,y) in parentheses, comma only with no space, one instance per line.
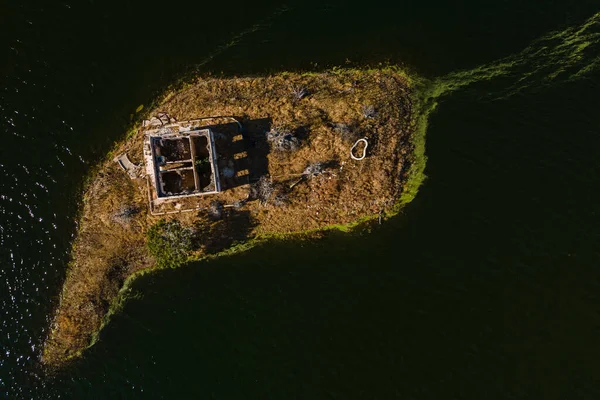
(125,214)
(368,111)
(215,211)
(282,140)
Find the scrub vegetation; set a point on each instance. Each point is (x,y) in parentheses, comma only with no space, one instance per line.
(169,243)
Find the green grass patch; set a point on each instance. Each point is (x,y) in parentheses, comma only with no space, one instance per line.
(169,243)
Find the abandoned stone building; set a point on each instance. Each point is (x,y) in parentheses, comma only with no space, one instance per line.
(187,160)
(182,163)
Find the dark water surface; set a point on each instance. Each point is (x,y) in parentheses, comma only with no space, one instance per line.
(488,286)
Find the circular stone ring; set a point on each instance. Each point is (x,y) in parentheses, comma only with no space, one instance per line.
(364,152)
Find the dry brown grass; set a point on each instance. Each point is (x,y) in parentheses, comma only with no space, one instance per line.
(329,119)
(105,252)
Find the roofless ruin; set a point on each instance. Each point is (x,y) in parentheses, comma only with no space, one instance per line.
(187,160)
(181,162)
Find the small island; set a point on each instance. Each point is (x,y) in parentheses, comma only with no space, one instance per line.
(220,164)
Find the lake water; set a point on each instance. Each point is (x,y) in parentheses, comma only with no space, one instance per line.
(487,287)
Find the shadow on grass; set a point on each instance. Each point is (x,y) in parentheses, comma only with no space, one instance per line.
(241,150)
(214,236)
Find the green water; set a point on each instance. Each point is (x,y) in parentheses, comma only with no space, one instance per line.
(485,287)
